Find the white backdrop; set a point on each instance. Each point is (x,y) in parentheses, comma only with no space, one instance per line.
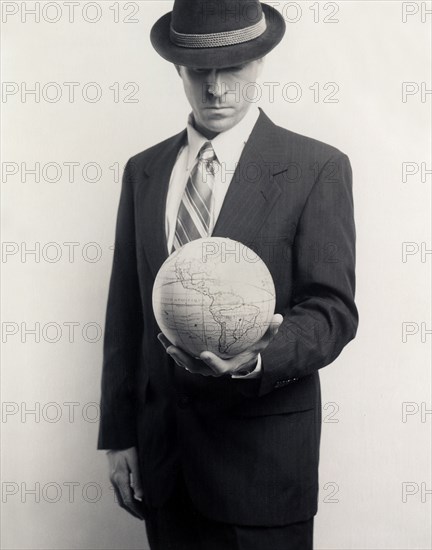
(101,94)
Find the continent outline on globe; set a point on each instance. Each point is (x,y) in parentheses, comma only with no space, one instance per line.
(214,297)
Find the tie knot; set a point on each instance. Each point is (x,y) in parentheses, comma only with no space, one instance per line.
(207,152)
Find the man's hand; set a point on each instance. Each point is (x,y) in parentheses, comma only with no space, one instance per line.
(209,364)
(126,480)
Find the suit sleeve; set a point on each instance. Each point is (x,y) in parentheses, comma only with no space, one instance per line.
(322,317)
(123,331)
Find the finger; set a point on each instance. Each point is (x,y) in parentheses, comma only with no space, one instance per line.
(174,352)
(135,478)
(216,364)
(163,340)
(176,357)
(185,361)
(129,502)
(273,328)
(181,358)
(276,321)
(121,502)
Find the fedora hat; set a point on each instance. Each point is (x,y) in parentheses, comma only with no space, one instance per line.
(217,33)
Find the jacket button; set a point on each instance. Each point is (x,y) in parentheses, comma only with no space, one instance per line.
(183,401)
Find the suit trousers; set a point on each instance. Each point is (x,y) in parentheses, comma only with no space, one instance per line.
(178,525)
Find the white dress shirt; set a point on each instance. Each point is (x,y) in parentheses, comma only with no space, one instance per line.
(228,147)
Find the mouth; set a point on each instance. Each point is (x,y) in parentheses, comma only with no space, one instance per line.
(217,108)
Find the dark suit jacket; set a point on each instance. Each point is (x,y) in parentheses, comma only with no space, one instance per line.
(248,449)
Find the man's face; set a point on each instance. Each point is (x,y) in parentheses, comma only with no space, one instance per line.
(217,96)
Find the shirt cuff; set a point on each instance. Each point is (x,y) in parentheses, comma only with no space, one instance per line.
(255,373)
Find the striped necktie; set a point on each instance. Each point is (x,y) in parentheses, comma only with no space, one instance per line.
(194,215)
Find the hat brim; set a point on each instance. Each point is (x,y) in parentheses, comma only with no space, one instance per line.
(223,56)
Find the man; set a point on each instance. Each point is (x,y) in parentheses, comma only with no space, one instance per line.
(223,453)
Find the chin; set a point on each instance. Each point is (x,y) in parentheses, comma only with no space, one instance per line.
(218,125)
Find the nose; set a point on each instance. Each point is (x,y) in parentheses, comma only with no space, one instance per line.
(215,84)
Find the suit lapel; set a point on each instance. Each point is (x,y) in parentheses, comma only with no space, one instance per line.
(253,190)
(151,202)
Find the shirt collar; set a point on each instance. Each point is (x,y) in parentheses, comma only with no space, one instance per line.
(227,145)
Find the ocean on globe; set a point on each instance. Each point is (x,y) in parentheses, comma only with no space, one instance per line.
(214,294)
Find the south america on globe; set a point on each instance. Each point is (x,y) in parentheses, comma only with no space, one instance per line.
(214,294)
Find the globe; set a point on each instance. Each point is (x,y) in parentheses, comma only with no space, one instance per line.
(213,294)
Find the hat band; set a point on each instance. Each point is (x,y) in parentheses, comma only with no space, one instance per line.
(218,39)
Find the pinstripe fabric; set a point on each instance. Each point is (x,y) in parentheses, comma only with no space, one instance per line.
(194,215)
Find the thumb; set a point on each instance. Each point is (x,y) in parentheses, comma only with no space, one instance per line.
(275,324)
(272,330)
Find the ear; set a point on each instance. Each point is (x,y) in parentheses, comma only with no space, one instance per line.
(178,70)
(260,66)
